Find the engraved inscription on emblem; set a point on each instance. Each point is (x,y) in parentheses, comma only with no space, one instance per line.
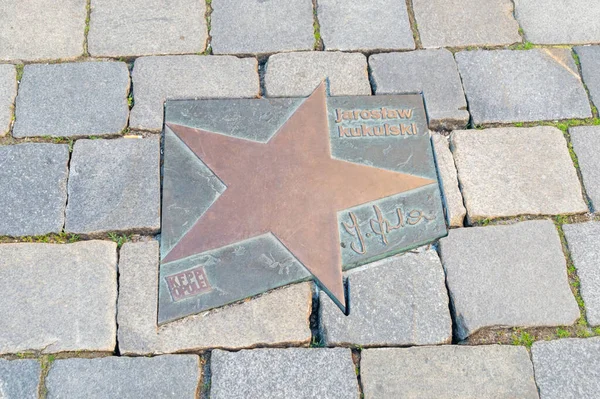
(381,226)
(381,114)
(188,283)
(281,267)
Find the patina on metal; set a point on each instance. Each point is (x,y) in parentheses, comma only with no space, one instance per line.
(266,192)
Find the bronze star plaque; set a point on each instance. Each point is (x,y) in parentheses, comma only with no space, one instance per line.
(261,193)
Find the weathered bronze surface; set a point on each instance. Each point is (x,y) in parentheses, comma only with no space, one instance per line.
(287,186)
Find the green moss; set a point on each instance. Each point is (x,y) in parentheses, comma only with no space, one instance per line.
(576,59)
(61,238)
(120,239)
(523,46)
(318,44)
(88,9)
(562,333)
(522,338)
(20,68)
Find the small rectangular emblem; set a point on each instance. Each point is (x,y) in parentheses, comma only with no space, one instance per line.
(188,283)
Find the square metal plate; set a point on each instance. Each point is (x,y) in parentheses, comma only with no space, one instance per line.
(261,193)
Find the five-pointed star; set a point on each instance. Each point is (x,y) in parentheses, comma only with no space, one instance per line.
(290,187)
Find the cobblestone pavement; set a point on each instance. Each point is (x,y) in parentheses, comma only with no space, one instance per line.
(511,89)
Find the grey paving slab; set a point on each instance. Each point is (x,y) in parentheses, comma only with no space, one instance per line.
(65,298)
(156,79)
(445,372)
(169,376)
(504,86)
(447,175)
(583,240)
(462,23)
(431,72)
(261,26)
(140,27)
(299,74)
(283,373)
(507,276)
(8,92)
(19,379)
(516,171)
(364,26)
(114,185)
(33,182)
(72,99)
(276,318)
(552,22)
(400,300)
(567,368)
(34,30)
(586,144)
(589,57)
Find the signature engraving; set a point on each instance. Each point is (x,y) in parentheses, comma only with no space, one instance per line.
(381,226)
(354,230)
(188,283)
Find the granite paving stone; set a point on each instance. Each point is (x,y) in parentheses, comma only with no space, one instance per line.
(507,276)
(431,72)
(283,373)
(8,92)
(400,300)
(58,297)
(462,23)
(156,79)
(447,175)
(114,185)
(516,171)
(504,86)
(33,183)
(365,26)
(298,74)
(584,243)
(567,368)
(276,318)
(41,29)
(19,379)
(559,22)
(589,57)
(169,376)
(72,99)
(490,371)
(586,144)
(141,27)
(260,27)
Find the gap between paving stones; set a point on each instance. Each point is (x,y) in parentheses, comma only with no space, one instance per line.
(208,16)
(514,15)
(318,46)
(356,356)
(86,30)
(573,155)
(413,25)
